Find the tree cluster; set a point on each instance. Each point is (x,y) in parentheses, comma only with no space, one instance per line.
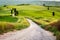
(14,11)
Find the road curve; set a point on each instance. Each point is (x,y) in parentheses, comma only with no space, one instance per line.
(33,32)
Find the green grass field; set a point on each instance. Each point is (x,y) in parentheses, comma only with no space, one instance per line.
(39,14)
(8,18)
(9,23)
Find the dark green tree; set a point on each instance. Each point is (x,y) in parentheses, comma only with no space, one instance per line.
(43,4)
(53,13)
(5,6)
(11,12)
(16,13)
(48,8)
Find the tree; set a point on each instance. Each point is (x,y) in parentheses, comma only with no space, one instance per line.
(14,12)
(43,4)
(14,9)
(11,12)
(48,8)
(53,13)
(4,5)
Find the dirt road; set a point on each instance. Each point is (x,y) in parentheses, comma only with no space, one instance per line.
(33,32)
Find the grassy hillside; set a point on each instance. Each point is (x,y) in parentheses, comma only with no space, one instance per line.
(42,16)
(9,23)
(39,14)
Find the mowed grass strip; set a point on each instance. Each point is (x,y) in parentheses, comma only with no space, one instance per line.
(8,19)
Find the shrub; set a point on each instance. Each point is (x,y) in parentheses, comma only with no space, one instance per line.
(56,24)
(58,36)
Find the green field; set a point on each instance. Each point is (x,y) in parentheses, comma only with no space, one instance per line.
(9,23)
(39,14)
(8,18)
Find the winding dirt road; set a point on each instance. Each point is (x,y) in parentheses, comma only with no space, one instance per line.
(33,32)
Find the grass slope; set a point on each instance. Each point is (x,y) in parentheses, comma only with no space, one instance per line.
(42,16)
(39,14)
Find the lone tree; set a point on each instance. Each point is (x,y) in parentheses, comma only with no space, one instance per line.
(43,4)
(53,13)
(5,6)
(48,8)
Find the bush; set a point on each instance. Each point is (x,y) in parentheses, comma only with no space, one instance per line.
(56,24)
(58,36)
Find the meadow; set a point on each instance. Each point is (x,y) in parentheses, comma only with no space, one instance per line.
(10,23)
(39,14)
